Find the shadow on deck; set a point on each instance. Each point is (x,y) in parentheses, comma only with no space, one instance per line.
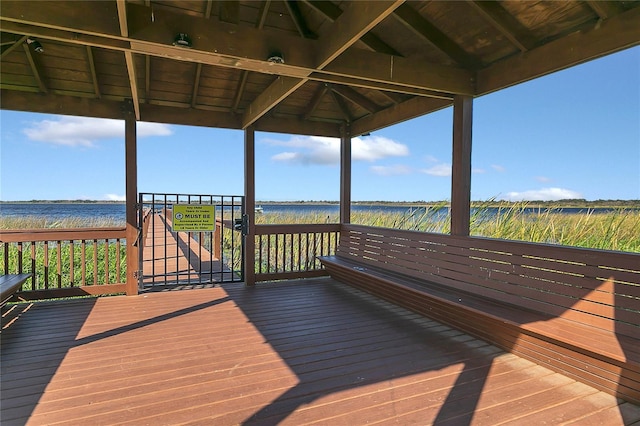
(303,352)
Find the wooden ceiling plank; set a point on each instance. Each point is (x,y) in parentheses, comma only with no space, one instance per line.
(332,12)
(420,26)
(14,46)
(604,9)
(87,17)
(229,11)
(248,55)
(359,18)
(94,75)
(36,68)
(356,97)
(614,34)
(298,20)
(315,101)
(503,21)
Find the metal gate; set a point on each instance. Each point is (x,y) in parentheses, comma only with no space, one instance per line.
(190,240)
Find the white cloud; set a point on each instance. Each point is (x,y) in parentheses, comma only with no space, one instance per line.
(430,159)
(478,170)
(115,197)
(543,179)
(323,150)
(442,170)
(396,170)
(498,168)
(85,131)
(544,194)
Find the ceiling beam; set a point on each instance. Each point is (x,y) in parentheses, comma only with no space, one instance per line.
(92,69)
(614,34)
(342,106)
(244,75)
(226,45)
(503,21)
(128,56)
(17,43)
(356,97)
(229,11)
(359,18)
(36,68)
(420,26)
(103,108)
(315,101)
(332,12)
(414,107)
(298,19)
(604,9)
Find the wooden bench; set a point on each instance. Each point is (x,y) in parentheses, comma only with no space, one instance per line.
(10,284)
(575,311)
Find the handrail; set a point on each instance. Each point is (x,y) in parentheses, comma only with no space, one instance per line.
(63,261)
(291,251)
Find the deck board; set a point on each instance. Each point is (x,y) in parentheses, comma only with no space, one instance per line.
(303,352)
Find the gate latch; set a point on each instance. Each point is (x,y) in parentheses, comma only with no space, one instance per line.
(242,224)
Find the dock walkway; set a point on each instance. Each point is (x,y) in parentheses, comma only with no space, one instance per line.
(178,259)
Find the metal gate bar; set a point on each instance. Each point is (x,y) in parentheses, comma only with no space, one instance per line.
(172,258)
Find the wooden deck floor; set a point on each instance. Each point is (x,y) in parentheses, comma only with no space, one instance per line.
(304,352)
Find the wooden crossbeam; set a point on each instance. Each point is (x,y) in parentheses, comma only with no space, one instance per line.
(92,69)
(358,19)
(356,97)
(36,68)
(342,106)
(16,44)
(298,19)
(430,33)
(504,22)
(315,101)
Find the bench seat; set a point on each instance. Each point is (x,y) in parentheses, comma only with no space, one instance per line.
(605,355)
(10,284)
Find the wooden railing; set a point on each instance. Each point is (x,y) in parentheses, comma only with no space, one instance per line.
(66,262)
(291,251)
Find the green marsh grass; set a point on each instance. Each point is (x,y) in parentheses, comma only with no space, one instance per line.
(615,230)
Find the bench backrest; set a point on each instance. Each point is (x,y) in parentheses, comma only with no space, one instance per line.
(594,287)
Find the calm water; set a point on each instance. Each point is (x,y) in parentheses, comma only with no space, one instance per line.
(61,210)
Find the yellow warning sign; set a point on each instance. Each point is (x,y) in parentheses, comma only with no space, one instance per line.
(193,218)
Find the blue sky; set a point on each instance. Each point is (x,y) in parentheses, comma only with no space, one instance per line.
(572,134)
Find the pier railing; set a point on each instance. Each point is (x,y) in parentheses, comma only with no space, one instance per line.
(290,251)
(66,262)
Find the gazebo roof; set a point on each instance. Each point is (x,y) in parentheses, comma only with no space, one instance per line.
(305,67)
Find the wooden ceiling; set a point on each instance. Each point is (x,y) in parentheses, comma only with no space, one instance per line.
(370,64)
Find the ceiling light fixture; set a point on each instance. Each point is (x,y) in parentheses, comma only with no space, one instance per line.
(182,40)
(35,44)
(276,58)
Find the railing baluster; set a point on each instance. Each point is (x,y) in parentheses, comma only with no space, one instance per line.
(95,262)
(6,258)
(19,257)
(46,264)
(83,259)
(106,261)
(33,265)
(71,264)
(118,260)
(59,264)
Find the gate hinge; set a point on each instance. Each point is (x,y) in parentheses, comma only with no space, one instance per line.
(137,274)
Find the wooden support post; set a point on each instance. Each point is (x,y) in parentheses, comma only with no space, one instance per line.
(461,172)
(345,174)
(250,205)
(131,184)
